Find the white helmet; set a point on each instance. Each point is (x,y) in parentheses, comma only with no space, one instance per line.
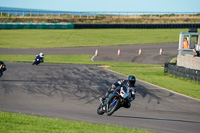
(41,54)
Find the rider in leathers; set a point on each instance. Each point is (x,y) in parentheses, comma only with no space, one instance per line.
(40,57)
(130,83)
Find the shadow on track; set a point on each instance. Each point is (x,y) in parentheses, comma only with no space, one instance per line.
(144,92)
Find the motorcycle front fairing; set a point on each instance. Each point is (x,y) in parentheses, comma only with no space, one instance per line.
(39,59)
(124,92)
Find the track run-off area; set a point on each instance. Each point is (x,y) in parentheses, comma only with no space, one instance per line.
(72,91)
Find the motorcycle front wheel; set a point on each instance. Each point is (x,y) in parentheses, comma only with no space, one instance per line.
(35,63)
(112,106)
(100,110)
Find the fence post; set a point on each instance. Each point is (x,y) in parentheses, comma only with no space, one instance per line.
(166,67)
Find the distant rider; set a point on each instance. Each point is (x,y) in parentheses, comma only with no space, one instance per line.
(40,57)
(129,83)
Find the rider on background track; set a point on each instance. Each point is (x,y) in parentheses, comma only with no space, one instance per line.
(129,83)
(40,56)
(38,59)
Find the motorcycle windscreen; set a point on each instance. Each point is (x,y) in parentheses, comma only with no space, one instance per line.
(124,92)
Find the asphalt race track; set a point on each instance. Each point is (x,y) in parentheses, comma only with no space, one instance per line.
(128,53)
(72,92)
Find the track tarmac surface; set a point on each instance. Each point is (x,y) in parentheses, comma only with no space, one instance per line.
(72,92)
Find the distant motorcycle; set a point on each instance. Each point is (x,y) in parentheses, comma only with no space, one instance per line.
(114,101)
(2,68)
(38,60)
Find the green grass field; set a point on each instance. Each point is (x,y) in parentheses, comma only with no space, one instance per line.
(85,37)
(21,123)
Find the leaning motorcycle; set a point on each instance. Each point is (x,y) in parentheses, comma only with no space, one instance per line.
(37,61)
(115,100)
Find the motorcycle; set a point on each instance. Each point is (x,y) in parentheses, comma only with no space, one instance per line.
(37,60)
(2,69)
(115,100)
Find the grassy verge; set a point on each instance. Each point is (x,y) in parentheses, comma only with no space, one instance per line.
(76,59)
(85,37)
(150,73)
(19,123)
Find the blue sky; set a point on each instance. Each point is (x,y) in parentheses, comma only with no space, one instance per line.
(107,5)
